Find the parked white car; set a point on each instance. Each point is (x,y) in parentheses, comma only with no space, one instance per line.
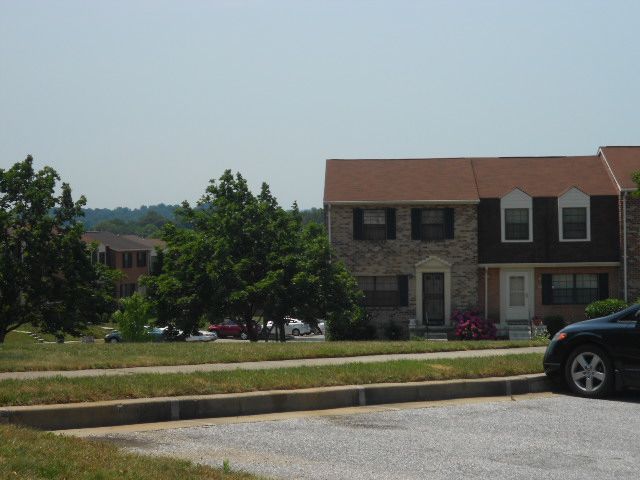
(201,336)
(293,326)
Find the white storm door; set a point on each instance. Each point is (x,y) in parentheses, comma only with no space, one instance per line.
(517,295)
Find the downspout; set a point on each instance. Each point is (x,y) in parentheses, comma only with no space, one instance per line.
(486,293)
(329,221)
(624,243)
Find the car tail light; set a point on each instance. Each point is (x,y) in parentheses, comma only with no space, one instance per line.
(561,336)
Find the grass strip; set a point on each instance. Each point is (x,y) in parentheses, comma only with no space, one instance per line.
(20,357)
(26,453)
(88,389)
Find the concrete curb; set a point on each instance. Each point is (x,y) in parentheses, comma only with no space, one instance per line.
(147,410)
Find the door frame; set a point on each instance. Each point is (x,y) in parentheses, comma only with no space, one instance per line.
(504,291)
(444,315)
(433,264)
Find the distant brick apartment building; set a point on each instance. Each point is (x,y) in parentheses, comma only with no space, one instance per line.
(515,237)
(132,255)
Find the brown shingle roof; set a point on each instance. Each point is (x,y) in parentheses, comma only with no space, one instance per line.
(541,176)
(623,161)
(402,180)
(152,243)
(462,179)
(119,243)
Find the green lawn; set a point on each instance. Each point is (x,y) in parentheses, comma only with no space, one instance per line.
(69,390)
(28,454)
(24,357)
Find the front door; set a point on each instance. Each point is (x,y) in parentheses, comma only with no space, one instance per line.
(517,295)
(433,298)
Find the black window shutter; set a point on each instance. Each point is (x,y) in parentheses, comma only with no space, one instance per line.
(449,220)
(416,221)
(547,291)
(358,223)
(403,290)
(391,223)
(603,286)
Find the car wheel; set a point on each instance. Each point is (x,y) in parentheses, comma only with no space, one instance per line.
(588,372)
(113,340)
(243,336)
(295,332)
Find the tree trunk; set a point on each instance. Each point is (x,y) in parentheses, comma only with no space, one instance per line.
(251,331)
(282,333)
(3,334)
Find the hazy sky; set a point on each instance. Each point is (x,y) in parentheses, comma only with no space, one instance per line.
(141,102)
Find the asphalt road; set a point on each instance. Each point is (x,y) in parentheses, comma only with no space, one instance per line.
(550,437)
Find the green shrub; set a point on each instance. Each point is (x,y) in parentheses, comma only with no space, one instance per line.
(392,331)
(357,327)
(602,308)
(133,318)
(554,324)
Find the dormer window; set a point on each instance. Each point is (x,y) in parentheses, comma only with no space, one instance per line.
(516,215)
(574,212)
(516,224)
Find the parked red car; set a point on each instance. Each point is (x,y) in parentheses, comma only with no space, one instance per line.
(230,328)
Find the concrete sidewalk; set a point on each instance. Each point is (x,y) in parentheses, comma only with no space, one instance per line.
(308,362)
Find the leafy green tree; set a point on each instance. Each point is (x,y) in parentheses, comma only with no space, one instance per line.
(133,318)
(313,215)
(244,256)
(46,274)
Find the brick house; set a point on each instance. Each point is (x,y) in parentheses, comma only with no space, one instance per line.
(515,237)
(132,255)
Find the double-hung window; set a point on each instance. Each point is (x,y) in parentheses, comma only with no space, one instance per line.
(141,259)
(374,226)
(574,223)
(516,210)
(574,288)
(433,224)
(379,291)
(127,260)
(516,224)
(384,291)
(574,210)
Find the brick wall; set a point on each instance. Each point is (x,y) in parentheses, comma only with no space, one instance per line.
(399,256)
(131,274)
(633,250)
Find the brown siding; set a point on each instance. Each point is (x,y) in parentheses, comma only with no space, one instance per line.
(546,246)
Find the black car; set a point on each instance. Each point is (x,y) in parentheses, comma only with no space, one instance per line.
(594,357)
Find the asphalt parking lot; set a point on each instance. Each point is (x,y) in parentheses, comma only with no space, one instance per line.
(547,436)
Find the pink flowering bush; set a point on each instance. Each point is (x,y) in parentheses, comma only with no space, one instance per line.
(471,326)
